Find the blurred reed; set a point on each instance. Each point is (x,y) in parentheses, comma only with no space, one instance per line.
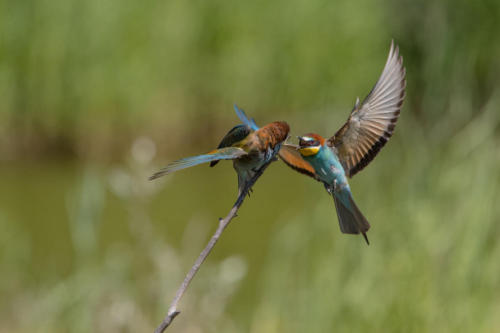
(95,95)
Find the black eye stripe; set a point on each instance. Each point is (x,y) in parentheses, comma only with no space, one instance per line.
(308,143)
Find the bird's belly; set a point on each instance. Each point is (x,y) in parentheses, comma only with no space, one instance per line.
(329,172)
(249,162)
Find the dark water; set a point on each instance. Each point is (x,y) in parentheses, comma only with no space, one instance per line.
(61,217)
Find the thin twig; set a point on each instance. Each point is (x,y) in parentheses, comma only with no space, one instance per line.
(223,223)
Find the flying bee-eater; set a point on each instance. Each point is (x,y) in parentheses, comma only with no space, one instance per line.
(251,148)
(368,128)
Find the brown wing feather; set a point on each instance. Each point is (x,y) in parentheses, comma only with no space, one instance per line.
(294,160)
(371,123)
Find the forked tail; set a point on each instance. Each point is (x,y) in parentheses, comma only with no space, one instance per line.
(351,220)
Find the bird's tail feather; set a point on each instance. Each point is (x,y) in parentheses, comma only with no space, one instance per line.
(243,117)
(351,220)
(228,153)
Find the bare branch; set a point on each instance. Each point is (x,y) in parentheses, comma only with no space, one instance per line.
(223,223)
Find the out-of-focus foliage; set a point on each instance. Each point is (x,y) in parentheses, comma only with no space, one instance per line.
(96,94)
(84,76)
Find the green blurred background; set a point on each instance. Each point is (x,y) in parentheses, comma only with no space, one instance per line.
(96,95)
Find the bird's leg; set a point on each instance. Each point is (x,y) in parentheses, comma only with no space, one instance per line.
(249,176)
(328,188)
(249,184)
(331,188)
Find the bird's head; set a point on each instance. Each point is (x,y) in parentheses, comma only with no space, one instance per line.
(310,144)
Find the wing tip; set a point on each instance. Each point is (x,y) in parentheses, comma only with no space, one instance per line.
(158,174)
(394,55)
(392,80)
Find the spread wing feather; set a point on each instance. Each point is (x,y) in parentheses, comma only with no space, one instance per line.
(371,123)
(228,153)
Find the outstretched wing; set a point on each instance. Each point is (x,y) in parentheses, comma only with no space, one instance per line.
(243,117)
(371,123)
(291,156)
(229,153)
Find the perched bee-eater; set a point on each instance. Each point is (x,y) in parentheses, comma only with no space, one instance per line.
(251,148)
(370,125)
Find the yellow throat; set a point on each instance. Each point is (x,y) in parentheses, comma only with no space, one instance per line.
(308,151)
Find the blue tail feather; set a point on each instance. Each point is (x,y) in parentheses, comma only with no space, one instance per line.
(243,117)
(351,220)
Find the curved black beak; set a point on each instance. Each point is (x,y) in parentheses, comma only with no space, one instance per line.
(301,139)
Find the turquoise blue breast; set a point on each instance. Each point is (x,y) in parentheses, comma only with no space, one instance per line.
(327,166)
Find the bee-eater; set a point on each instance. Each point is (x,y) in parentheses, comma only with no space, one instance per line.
(368,128)
(251,148)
